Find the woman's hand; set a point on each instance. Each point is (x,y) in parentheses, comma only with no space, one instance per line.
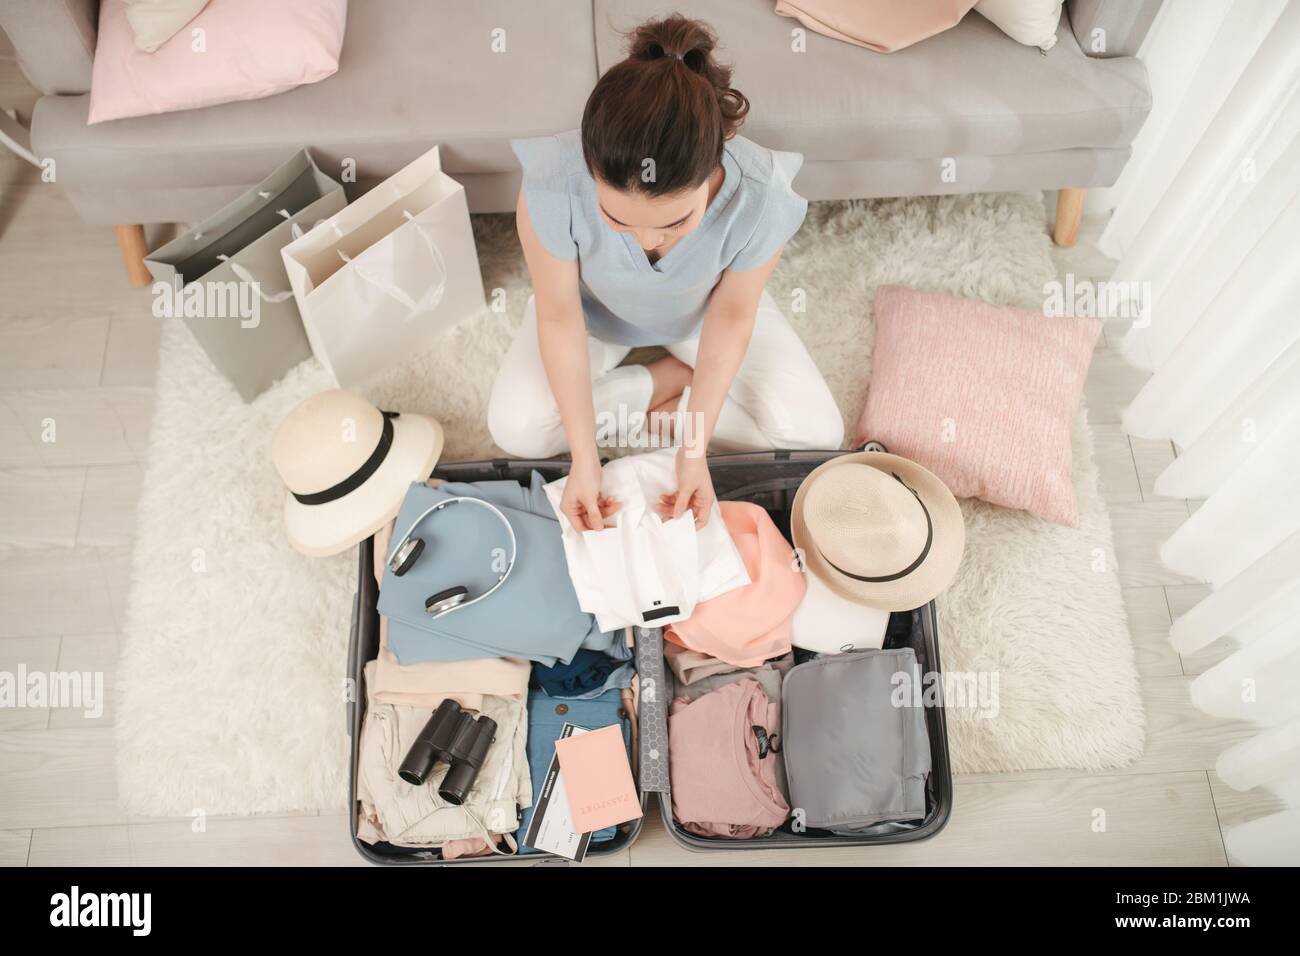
(694,488)
(582,502)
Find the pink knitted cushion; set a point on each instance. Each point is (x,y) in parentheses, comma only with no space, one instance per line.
(982,395)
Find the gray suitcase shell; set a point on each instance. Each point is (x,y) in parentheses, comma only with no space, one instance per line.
(766,478)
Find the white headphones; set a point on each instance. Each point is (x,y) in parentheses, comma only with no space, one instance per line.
(408,550)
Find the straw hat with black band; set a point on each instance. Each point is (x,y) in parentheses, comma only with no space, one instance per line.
(348,466)
(878,529)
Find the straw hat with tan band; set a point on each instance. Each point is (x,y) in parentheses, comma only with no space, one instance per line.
(878,529)
(347,466)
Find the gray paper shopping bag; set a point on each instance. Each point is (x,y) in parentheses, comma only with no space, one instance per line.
(225,277)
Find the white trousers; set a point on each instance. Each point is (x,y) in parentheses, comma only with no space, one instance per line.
(778,398)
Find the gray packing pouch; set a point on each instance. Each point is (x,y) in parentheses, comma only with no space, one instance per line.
(853,735)
(231,263)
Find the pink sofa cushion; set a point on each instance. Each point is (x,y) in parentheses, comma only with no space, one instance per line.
(982,395)
(252,49)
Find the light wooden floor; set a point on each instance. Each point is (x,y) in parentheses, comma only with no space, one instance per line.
(77,345)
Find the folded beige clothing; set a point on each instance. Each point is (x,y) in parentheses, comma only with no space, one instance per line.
(429,683)
(689,666)
(370,831)
(416,815)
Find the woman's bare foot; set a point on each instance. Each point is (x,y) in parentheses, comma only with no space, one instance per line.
(662,421)
(671,376)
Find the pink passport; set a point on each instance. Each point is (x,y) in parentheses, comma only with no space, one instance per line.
(598,779)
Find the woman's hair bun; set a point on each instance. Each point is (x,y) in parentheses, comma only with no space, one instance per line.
(670,101)
(692,42)
(674,36)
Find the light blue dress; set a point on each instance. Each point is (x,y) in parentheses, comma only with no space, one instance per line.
(626,299)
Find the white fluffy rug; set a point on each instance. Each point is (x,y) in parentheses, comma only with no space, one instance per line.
(233,662)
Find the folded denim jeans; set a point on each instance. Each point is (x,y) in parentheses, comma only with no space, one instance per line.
(588,675)
(856,749)
(546,719)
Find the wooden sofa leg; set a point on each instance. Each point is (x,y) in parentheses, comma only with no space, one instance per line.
(1069,210)
(130,239)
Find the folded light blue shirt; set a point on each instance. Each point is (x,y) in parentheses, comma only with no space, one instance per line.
(626,299)
(535,613)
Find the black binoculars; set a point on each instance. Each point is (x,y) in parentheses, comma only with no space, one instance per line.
(455,737)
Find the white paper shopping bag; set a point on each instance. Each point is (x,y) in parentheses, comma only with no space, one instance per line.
(382,279)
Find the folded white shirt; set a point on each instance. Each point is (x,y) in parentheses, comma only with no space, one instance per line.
(642,569)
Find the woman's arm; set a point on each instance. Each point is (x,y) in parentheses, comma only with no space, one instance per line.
(728,325)
(562,339)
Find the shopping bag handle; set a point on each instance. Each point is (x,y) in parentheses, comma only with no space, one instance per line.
(296,230)
(429,300)
(245,276)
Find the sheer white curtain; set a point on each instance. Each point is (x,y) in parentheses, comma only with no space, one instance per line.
(1217,237)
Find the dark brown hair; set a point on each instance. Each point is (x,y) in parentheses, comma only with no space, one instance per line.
(670,101)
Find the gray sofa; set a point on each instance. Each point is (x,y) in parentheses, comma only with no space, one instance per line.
(419,72)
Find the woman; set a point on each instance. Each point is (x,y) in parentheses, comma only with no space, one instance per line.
(656,225)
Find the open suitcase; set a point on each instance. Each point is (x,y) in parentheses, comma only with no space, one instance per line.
(768,479)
